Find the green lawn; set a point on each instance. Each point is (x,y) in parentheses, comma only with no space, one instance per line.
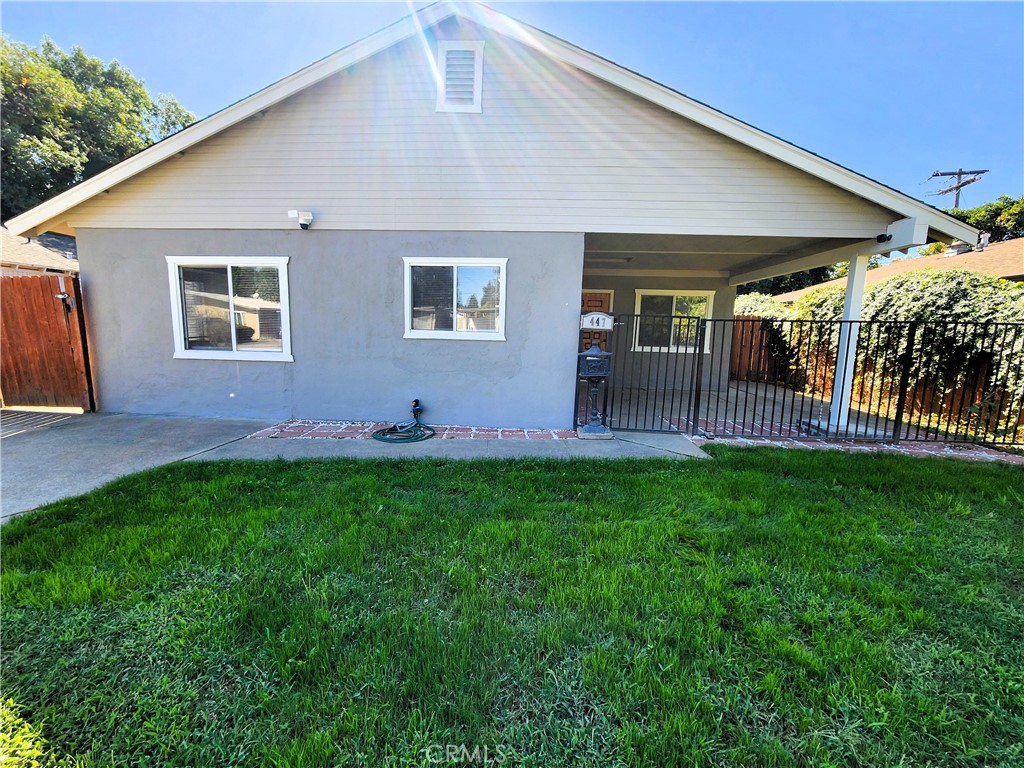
(769,608)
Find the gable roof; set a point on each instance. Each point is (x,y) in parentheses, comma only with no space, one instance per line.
(48,213)
(1004,259)
(46,253)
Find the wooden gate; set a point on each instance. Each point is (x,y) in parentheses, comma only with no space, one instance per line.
(45,360)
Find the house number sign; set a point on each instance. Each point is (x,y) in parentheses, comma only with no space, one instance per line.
(597,321)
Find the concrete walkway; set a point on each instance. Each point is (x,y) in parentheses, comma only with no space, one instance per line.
(635,445)
(75,455)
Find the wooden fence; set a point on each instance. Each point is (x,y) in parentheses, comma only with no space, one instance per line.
(45,360)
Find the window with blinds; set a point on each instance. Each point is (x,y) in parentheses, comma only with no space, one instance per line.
(455,298)
(230,309)
(460,76)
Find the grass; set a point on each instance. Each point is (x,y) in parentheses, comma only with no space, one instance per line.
(768,608)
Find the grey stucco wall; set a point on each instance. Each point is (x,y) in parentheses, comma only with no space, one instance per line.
(346,293)
(661,369)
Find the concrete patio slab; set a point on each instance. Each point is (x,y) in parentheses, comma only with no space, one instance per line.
(83,452)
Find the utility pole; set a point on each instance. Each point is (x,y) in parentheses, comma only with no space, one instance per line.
(960,182)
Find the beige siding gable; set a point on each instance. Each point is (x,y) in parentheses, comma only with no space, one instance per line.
(553,149)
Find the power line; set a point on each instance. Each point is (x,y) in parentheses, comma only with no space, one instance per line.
(960,182)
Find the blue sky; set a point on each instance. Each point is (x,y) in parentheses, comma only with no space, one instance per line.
(891,90)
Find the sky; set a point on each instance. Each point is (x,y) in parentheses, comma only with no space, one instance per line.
(894,91)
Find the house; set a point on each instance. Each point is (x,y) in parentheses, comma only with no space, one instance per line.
(1004,260)
(424,213)
(46,254)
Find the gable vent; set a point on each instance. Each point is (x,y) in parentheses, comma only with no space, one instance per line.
(461,75)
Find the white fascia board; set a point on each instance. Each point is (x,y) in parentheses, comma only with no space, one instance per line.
(626,272)
(813,261)
(229,116)
(906,233)
(722,123)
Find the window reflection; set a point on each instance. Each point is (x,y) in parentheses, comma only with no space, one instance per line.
(249,316)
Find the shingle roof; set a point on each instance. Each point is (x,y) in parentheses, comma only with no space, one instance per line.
(45,253)
(1004,259)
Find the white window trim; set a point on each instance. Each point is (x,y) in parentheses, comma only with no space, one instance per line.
(443,261)
(641,292)
(177,307)
(477,47)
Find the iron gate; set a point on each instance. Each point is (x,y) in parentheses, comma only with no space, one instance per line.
(762,377)
(654,367)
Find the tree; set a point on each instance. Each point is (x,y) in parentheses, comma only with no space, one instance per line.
(1002,218)
(842,269)
(784,283)
(932,248)
(68,116)
(489,296)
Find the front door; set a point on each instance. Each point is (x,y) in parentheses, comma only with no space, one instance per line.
(595,301)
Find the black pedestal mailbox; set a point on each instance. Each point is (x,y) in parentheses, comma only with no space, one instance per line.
(594,365)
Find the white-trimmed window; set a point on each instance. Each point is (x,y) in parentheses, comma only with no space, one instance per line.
(232,308)
(460,71)
(455,298)
(667,320)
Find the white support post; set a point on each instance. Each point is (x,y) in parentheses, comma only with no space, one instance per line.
(846,356)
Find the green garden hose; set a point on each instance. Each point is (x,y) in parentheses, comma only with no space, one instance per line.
(409,431)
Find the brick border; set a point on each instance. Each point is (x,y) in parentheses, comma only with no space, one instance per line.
(306,429)
(934,450)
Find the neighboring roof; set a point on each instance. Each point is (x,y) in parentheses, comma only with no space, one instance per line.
(1004,259)
(46,215)
(46,253)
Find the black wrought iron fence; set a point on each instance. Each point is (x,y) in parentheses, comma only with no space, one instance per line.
(653,373)
(889,380)
(762,377)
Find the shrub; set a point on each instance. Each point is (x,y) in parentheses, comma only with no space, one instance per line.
(824,303)
(759,305)
(21,743)
(963,361)
(955,295)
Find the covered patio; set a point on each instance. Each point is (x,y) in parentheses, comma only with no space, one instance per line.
(674,369)
(923,381)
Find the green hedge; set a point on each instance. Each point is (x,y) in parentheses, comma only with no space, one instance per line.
(928,294)
(964,361)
